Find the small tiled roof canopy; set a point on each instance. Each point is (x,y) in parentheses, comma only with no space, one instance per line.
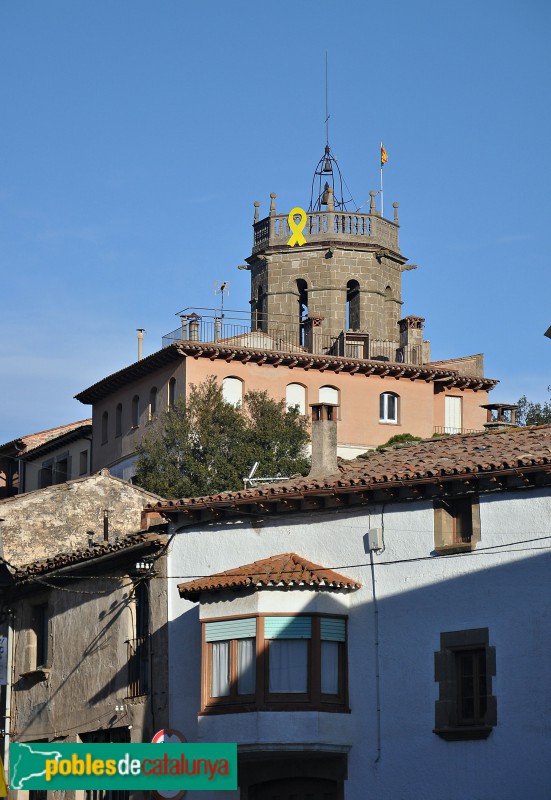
(287,569)
(514,454)
(126,544)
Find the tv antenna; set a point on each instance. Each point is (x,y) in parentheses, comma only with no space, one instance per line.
(223,289)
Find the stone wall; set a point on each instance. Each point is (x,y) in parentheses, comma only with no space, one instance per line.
(326,277)
(65,517)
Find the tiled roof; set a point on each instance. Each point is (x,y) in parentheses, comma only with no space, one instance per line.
(263,356)
(433,460)
(287,569)
(133,372)
(126,543)
(34,440)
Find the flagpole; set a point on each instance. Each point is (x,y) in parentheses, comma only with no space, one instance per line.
(382,203)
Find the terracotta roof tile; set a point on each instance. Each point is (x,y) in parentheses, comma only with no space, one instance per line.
(34,440)
(265,356)
(286,569)
(86,554)
(455,455)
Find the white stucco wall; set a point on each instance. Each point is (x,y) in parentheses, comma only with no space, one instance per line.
(502,586)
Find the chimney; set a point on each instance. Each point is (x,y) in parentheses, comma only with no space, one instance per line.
(324,439)
(140,332)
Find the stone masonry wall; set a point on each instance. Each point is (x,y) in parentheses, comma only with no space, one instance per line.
(326,279)
(40,524)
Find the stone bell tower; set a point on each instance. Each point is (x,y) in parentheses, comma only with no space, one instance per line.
(339,292)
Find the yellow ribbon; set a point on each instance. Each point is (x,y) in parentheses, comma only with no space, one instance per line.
(297,237)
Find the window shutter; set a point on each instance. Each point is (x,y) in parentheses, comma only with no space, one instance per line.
(332,630)
(288,627)
(231,629)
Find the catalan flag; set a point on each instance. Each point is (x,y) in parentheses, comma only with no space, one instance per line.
(384,157)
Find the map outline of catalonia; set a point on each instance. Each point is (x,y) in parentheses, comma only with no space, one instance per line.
(17,783)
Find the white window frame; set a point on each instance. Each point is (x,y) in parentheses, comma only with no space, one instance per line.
(384,417)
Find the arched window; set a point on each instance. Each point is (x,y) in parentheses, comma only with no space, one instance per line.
(302,288)
(152,410)
(261,309)
(104,427)
(295,396)
(232,391)
(388,407)
(329,394)
(172,393)
(135,411)
(353,306)
(118,420)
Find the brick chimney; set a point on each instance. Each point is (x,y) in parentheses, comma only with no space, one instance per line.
(324,439)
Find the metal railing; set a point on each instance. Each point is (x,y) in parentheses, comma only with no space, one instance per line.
(450,429)
(290,337)
(138,666)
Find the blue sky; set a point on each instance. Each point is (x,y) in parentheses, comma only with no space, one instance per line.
(136,135)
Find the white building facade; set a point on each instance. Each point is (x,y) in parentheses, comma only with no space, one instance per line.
(395,639)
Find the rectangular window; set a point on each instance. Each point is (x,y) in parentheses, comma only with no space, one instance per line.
(456,523)
(388,407)
(464,667)
(330,667)
(246,666)
(274,660)
(61,470)
(453,414)
(471,686)
(40,627)
(220,669)
(232,655)
(288,666)
(46,475)
(83,464)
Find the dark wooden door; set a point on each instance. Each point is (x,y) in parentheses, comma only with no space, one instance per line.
(295,789)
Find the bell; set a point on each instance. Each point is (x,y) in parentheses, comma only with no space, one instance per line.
(327,166)
(325,195)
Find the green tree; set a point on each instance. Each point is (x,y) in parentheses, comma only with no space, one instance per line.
(205,445)
(529,413)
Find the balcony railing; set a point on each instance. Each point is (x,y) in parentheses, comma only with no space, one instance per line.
(321,226)
(290,338)
(451,429)
(138,666)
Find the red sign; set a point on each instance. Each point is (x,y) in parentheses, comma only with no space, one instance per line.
(161,737)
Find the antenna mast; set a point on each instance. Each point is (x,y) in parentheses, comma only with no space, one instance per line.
(327,115)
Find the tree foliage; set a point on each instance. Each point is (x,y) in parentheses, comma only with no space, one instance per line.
(206,445)
(529,413)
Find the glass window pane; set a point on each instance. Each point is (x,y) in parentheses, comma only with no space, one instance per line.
(288,666)
(382,409)
(220,669)
(246,666)
(391,407)
(329,667)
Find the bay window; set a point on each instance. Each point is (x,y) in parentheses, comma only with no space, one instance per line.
(275,662)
